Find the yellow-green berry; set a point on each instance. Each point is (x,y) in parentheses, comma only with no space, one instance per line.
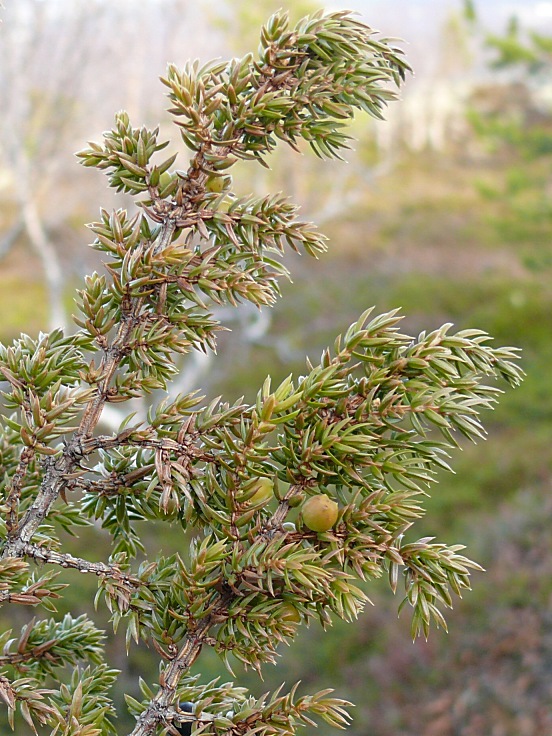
(319,513)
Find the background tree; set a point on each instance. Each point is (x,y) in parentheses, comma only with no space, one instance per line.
(512,116)
(353,433)
(51,99)
(36,118)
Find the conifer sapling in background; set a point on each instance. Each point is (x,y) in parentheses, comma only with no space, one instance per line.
(288,502)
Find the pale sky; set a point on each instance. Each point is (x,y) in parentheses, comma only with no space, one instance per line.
(492,12)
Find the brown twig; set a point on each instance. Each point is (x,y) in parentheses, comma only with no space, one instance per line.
(14,659)
(101,569)
(14,491)
(160,706)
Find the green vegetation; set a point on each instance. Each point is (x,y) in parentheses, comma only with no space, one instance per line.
(447,238)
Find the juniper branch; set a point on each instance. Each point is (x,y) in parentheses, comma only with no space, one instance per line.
(58,468)
(365,430)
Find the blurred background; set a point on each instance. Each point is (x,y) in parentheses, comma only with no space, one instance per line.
(444,210)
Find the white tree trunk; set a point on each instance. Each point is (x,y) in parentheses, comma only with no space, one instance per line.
(50,263)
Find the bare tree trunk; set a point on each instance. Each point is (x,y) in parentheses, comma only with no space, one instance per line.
(50,262)
(8,240)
